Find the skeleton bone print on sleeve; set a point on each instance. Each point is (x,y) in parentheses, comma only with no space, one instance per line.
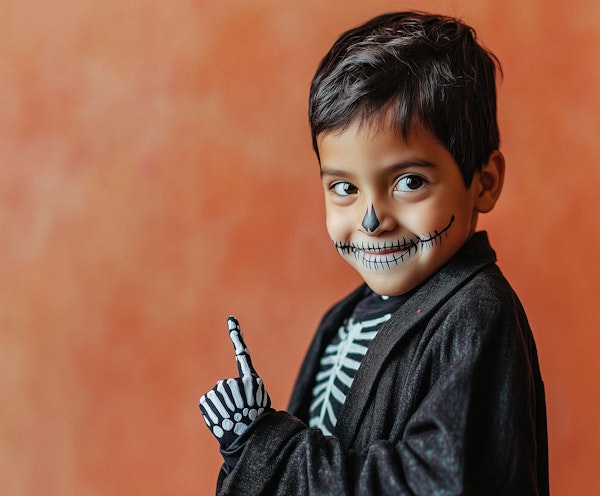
(233,404)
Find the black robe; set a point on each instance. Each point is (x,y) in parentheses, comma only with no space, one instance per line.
(448,400)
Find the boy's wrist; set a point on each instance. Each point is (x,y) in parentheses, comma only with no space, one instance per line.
(233,452)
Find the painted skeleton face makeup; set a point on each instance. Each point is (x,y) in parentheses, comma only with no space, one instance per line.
(384,256)
(397,210)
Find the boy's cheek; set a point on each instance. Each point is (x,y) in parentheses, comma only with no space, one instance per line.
(337,226)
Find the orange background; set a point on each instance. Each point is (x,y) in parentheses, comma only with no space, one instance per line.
(157,175)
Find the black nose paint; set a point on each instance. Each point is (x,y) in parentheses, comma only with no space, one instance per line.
(370,221)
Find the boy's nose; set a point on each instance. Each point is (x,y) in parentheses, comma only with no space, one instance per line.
(378,218)
(370,221)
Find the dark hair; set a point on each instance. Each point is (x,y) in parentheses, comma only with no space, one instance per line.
(426,69)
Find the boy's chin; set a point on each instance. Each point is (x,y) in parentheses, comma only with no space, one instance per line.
(404,277)
(391,288)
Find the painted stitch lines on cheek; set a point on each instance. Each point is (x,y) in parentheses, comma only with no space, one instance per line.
(384,255)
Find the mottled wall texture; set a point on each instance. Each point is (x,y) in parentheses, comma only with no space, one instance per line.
(157,175)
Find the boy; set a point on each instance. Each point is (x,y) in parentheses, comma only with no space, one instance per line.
(425,380)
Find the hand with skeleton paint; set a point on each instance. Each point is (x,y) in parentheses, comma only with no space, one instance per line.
(233,404)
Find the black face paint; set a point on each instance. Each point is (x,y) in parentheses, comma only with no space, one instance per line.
(370,221)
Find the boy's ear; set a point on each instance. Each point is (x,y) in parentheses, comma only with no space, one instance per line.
(490,180)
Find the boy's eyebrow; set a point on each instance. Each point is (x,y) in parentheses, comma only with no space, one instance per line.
(333,172)
(416,162)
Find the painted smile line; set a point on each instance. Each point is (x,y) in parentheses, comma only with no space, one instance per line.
(378,256)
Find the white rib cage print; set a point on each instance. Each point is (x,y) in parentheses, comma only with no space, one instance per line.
(339,364)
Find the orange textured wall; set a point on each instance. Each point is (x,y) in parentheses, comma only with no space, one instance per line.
(157,175)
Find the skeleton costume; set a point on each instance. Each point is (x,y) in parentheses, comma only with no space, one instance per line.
(343,355)
(448,399)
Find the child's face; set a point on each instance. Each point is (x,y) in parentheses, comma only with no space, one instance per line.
(396,210)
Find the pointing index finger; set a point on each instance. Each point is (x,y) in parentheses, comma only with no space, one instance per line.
(244,362)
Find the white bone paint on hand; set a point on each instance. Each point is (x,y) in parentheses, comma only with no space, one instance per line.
(242,355)
(233,404)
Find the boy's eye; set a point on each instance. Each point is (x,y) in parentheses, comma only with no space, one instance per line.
(343,188)
(410,183)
